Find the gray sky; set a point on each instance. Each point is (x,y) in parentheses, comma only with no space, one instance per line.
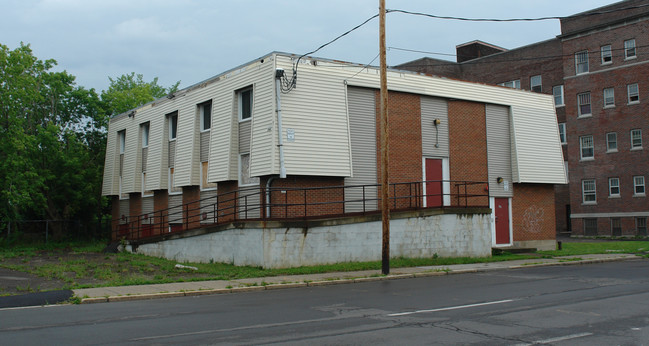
(192,40)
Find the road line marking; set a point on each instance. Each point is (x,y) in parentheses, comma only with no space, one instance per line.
(33,307)
(451,308)
(557,339)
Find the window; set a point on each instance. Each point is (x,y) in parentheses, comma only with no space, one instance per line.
(611,142)
(616,226)
(145,134)
(173,125)
(590,227)
(583,100)
(562,133)
(535,84)
(245,104)
(638,185)
(244,171)
(641,225)
(173,190)
(587,147)
(205,185)
(636,139)
(581,62)
(588,191)
(614,187)
(633,93)
(557,92)
(609,97)
(121,137)
(516,84)
(607,55)
(205,114)
(629,49)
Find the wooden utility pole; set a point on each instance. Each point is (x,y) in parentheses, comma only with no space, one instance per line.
(385,202)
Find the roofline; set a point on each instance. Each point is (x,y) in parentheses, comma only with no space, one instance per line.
(510,50)
(481,42)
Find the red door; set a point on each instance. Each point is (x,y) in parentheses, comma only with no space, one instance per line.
(502,220)
(434,183)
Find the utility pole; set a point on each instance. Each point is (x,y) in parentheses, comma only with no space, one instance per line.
(385,188)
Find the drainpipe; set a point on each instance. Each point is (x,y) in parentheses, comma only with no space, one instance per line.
(270,180)
(280,143)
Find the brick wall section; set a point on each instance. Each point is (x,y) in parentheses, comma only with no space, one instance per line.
(533,212)
(226,201)
(160,205)
(576,24)
(405,151)
(291,202)
(135,212)
(468,147)
(114,209)
(192,206)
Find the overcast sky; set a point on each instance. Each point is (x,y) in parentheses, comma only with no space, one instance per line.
(192,40)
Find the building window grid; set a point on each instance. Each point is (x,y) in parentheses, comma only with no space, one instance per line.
(633,94)
(588,191)
(607,54)
(614,187)
(609,97)
(583,102)
(581,62)
(557,92)
(638,185)
(587,147)
(611,142)
(629,49)
(636,139)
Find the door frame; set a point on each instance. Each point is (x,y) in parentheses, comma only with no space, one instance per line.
(492,205)
(446,184)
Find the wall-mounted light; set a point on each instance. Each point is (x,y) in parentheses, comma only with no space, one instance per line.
(131,115)
(436,122)
(499,180)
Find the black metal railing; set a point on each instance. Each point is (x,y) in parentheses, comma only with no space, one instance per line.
(297,203)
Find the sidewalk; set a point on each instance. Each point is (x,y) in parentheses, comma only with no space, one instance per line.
(181,289)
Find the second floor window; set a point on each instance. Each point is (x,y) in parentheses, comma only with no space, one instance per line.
(583,101)
(581,62)
(535,84)
(629,49)
(121,137)
(636,139)
(607,55)
(557,92)
(611,141)
(587,147)
(638,185)
(609,97)
(205,113)
(589,194)
(145,134)
(245,104)
(614,187)
(173,125)
(633,93)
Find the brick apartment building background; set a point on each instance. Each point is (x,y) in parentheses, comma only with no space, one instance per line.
(597,70)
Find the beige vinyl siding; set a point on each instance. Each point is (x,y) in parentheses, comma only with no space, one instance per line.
(431,109)
(362,128)
(145,155)
(130,175)
(316,111)
(186,165)
(263,153)
(110,184)
(172,153)
(205,146)
(157,153)
(147,207)
(245,132)
(499,151)
(175,208)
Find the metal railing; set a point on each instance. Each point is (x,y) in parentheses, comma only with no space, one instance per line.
(293,203)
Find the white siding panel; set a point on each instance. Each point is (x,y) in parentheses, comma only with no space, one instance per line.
(245,133)
(434,139)
(205,146)
(186,164)
(539,155)
(362,123)
(499,151)
(111,165)
(262,152)
(130,176)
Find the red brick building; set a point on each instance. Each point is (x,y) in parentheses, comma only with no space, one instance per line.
(597,71)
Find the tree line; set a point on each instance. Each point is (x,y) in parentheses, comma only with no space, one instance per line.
(53,140)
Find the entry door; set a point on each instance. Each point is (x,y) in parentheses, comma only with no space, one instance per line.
(502,220)
(434,184)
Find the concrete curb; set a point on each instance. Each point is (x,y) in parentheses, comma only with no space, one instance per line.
(338,281)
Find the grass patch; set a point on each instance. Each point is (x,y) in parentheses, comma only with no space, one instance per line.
(571,249)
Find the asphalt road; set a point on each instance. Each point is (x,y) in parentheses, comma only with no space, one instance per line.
(596,304)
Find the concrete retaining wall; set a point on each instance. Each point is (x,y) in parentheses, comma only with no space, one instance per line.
(417,236)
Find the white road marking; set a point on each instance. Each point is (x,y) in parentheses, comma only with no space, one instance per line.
(33,307)
(557,339)
(451,308)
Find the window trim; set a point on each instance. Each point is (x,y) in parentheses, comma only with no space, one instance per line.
(584,63)
(585,193)
(636,186)
(562,133)
(606,105)
(560,87)
(608,148)
(579,105)
(611,194)
(201,115)
(635,94)
(609,54)
(240,103)
(627,48)
(582,147)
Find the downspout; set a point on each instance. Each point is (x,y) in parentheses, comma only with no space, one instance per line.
(270,181)
(280,143)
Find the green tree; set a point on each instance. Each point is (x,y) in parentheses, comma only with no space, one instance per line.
(131,91)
